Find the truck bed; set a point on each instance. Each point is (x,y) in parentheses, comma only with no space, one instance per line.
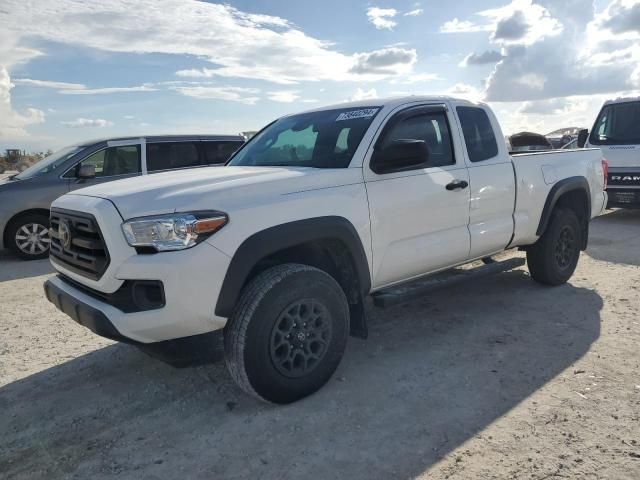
(537,173)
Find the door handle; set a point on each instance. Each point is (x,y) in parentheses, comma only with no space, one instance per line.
(457,185)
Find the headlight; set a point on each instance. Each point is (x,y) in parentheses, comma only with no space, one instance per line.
(176,231)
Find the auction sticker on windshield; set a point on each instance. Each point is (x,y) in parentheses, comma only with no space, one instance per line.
(364,113)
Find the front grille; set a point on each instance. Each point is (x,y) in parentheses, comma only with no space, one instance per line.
(77,244)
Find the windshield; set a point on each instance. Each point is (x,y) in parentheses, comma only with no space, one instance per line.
(49,164)
(617,124)
(326,139)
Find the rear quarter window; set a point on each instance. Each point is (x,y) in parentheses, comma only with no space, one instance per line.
(478,133)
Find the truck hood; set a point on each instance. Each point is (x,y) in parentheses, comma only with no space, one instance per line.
(214,188)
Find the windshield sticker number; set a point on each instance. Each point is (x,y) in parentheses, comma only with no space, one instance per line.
(354,114)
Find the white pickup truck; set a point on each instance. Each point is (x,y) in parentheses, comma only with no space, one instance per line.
(280,249)
(617,133)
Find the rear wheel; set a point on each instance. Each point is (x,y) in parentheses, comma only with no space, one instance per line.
(554,257)
(28,236)
(287,334)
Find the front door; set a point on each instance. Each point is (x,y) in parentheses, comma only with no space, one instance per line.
(419,217)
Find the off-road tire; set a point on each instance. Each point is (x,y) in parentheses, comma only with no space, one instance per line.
(249,335)
(16,225)
(549,262)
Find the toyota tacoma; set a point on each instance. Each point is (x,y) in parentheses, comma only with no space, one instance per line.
(279,250)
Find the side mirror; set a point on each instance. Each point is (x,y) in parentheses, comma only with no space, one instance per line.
(86,172)
(400,155)
(582,137)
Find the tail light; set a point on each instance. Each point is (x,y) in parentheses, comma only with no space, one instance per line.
(605,171)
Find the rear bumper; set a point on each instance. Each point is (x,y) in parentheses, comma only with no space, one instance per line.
(623,197)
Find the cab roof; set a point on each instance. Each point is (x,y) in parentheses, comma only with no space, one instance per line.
(622,100)
(393,102)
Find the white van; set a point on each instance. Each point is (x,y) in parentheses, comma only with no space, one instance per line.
(617,133)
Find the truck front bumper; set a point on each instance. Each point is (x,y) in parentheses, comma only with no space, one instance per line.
(189,284)
(80,310)
(180,352)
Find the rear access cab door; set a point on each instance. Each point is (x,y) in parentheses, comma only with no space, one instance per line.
(419,216)
(491,177)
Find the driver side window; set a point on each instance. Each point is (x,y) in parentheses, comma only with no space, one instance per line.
(112,161)
(430,127)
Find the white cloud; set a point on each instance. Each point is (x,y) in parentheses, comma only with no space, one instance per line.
(128,117)
(459,26)
(382,18)
(108,90)
(585,58)
(554,106)
(233,94)
(361,94)
(385,62)
(522,22)
(484,58)
(414,13)
(241,45)
(48,84)
(12,123)
(621,17)
(465,91)
(284,96)
(416,78)
(422,77)
(196,73)
(81,89)
(82,122)
(532,80)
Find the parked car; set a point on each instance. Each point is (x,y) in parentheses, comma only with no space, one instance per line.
(617,133)
(563,136)
(278,250)
(529,142)
(25,198)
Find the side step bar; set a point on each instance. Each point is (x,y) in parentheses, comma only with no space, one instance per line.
(417,288)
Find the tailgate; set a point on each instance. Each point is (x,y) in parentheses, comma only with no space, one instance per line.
(626,178)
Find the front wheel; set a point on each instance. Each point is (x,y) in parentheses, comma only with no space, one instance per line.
(287,334)
(554,257)
(28,236)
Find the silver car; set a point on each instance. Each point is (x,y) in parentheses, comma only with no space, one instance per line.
(25,198)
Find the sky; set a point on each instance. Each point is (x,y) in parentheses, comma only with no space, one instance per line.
(74,70)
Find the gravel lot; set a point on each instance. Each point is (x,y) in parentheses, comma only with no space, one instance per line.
(502,378)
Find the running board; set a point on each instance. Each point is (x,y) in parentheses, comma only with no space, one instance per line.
(417,288)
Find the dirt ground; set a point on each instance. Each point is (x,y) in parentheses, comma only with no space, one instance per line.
(501,378)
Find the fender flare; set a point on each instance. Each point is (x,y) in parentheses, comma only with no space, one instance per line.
(558,190)
(271,240)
